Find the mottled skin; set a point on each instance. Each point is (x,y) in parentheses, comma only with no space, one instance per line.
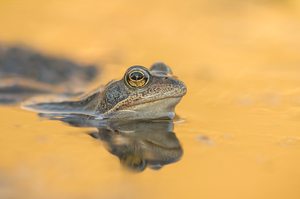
(156,99)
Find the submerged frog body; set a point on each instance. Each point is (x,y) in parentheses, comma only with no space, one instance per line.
(140,94)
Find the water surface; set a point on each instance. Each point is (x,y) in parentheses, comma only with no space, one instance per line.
(241,132)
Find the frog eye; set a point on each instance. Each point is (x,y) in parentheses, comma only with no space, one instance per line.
(137,78)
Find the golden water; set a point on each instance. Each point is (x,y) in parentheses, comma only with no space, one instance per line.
(240,61)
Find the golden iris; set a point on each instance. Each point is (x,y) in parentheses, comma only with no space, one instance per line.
(137,78)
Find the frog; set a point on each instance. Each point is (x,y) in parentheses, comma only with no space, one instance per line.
(142,93)
(27,72)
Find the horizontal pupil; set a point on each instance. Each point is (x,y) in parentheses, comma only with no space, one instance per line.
(136,76)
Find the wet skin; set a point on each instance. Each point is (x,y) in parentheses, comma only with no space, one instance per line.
(140,94)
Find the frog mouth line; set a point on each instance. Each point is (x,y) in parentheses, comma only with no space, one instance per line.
(179,96)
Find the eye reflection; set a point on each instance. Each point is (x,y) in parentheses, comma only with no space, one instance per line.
(136,76)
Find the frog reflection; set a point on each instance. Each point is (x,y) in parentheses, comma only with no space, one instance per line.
(137,143)
(141,144)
